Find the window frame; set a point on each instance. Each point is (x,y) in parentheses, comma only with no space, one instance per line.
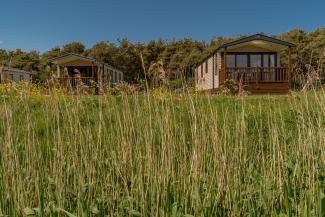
(255,53)
(206,66)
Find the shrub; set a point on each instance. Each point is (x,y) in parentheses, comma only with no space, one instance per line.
(123,88)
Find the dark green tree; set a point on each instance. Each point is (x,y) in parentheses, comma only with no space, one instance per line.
(74,47)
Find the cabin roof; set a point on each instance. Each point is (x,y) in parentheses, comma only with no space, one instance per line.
(255,37)
(249,40)
(14,70)
(70,57)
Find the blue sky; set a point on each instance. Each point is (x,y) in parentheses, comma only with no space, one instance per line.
(43,24)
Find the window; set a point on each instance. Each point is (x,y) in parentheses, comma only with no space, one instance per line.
(206,67)
(272,60)
(255,60)
(21,77)
(266,60)
(11,77)
(231,60)
(242,60)
(269,60)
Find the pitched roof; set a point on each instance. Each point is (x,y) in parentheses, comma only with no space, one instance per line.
(69,55)
(260,37)
(14,70)
(255,37)
(80,57)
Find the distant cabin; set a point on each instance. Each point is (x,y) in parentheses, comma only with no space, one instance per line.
(254,60)
(14,75)
(75,68)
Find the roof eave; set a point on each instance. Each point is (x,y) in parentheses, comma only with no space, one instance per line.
(52,60)
(257,37)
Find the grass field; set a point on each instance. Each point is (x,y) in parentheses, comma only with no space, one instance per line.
(172,156)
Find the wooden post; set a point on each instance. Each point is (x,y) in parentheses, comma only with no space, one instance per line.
(256,74)
(289,68)
(213,70)
(224,67)
(100,68)
(1,76)
(58,71)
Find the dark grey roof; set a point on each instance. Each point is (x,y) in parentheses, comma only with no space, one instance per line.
(14,70)
(82,58)
(248,39)
(257,37)
(72,55)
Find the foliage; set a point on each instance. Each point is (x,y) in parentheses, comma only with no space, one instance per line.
(74,47)
(231,87)
(123,88)
(21,90)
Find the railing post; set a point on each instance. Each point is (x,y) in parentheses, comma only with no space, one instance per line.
(58,71)
(256,73)
(235,74)
(289,67)
(224,71)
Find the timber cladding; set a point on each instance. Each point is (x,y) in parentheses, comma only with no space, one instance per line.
(207,73)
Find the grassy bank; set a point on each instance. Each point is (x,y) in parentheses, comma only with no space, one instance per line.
(163,156)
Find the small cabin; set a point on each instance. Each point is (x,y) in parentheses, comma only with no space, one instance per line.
(76,69)
(255,61)
(14,75)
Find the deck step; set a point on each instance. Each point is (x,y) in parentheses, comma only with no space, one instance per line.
(268,88)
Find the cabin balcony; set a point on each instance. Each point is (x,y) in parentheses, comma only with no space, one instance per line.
(261,79)
(77,81)
(258,74)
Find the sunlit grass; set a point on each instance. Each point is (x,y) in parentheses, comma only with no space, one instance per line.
(172,155)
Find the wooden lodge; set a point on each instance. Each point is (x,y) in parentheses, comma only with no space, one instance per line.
(14,75)
(255,61)
(74,69)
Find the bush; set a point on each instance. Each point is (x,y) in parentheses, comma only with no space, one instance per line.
(124,88)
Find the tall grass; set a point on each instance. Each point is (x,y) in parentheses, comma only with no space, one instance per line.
(173,156)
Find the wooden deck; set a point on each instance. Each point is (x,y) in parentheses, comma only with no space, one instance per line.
(261,79)
(77,81)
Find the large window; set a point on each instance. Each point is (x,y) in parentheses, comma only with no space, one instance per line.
(242,60)
(266,60)
(231,60)
(272,60)
(269,60)
(255,60)
(206,67)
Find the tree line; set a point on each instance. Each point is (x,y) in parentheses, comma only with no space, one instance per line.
(178,57)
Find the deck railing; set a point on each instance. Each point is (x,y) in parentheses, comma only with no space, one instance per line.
(77,81)
(258,74)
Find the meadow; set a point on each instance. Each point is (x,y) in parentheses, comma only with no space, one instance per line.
(163,155)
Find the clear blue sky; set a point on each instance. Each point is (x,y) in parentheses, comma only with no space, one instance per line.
(43,24)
